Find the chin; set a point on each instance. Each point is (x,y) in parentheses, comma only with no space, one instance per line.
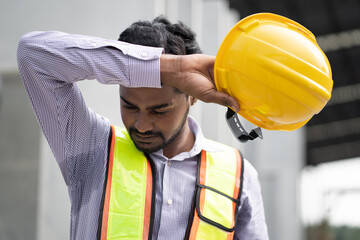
(147,149)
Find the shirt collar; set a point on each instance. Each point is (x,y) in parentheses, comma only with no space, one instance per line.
(201,143)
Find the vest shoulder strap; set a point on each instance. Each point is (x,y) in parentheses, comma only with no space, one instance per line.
(218,192)
(129,191)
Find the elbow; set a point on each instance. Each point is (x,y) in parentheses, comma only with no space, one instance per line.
(27,46)
(24,49)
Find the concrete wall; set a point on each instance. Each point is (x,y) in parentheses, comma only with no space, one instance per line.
(29,176)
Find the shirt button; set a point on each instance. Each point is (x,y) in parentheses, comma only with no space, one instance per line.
(94,44)
(169,163)
(169,202)
(144,54)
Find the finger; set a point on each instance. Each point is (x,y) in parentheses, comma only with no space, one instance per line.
(225,100)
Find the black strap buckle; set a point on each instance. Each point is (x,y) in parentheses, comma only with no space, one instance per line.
(238,130)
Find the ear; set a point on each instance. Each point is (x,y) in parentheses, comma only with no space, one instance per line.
(192,100)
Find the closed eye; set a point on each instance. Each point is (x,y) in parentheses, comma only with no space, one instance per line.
(129,107)
(159,112)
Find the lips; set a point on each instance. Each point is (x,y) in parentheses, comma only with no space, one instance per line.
(145,139)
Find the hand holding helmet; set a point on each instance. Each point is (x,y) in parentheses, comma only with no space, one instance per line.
(276,71)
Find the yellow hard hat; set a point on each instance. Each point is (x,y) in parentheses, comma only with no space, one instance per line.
(275,69)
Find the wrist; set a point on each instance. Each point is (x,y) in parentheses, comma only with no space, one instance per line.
(170,69)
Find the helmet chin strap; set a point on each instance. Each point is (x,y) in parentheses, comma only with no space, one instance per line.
(238,130)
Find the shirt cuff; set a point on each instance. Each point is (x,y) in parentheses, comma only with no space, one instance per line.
(144,66)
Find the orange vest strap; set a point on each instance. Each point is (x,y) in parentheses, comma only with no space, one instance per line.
(148,222)
(105,212)
(200,197)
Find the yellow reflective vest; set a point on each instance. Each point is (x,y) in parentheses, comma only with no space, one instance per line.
(128,205)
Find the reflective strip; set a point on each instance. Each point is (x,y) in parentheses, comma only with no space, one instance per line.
(127,205)
(220,171)
(201,179)
(108,188)
(148,198)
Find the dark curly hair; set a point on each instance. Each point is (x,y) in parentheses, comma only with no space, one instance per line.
(177,39)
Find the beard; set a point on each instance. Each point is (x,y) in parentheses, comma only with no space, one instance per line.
(164,143)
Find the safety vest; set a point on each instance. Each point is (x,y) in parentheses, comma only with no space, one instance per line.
(128,204)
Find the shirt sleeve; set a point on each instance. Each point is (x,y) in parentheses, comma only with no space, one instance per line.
(50,64)
(251,222)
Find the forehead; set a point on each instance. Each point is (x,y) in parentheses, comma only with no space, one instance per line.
(150,96)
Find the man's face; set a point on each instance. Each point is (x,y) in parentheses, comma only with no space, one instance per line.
(154,117)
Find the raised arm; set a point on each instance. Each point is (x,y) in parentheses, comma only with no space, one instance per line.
(51,62)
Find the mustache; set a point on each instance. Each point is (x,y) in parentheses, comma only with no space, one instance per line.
(148,133)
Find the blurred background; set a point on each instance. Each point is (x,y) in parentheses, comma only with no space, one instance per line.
(310,177)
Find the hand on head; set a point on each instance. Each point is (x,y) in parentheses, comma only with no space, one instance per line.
(194,75)
(182,66)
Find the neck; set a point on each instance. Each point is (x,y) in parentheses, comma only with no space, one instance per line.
(183,143)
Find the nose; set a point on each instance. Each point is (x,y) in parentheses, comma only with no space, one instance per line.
(143,123)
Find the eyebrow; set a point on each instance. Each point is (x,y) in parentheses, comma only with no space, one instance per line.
(160,106)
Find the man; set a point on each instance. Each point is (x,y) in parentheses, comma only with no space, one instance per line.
(117,191)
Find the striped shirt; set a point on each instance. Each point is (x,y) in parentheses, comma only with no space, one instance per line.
(50,64)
